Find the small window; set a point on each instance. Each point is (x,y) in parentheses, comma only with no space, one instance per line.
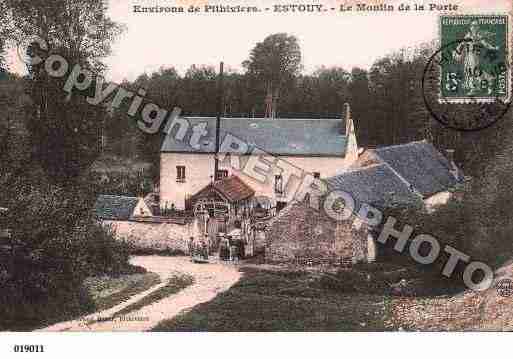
(221,174)
(317,175)
(180,173)
(278,184)
(280,205)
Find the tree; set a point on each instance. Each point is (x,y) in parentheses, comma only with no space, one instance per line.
(274,64)
(55,244)
(359,89)
(4,30)
(333,89)
(79,27)
(200,90)
(14,146)
(63,129)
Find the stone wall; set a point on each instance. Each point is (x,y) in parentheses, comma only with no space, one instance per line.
(302,235)
(154,236)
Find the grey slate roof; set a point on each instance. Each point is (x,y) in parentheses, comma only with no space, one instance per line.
(421,165)
(115,207)
(374,185)
(293,137)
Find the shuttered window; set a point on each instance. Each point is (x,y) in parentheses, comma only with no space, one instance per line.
(180,173)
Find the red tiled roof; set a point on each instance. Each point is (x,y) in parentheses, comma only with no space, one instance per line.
(231,188)
(234,189)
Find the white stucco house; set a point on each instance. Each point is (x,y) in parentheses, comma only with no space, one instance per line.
(264,160)
(265,153)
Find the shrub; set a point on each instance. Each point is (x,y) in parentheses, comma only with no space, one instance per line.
(55,244)
(104,253)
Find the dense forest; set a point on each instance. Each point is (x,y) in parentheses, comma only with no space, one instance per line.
(49,142)
(386,100)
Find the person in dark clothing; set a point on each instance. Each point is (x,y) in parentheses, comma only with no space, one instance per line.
(204,249)
(242,248)
(191,247)
(234,255)
(224,250)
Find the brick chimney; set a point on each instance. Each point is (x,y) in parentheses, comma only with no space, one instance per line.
(449,154)
(346,121)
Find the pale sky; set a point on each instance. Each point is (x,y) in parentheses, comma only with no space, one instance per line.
(326,39)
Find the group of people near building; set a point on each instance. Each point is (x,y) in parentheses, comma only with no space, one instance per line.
(198,250)
(230,249)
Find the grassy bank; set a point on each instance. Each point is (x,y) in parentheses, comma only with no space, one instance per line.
(97,293)
(173,286)
(106,292)
(286,299)
(266,300)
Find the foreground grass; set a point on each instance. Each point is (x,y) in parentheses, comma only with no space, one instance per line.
(174,285)
(97,293)
(106,292)
(287,301)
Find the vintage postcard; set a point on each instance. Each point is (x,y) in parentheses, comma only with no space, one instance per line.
(253,166)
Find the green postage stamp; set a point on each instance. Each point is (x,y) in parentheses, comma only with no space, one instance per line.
(475,65)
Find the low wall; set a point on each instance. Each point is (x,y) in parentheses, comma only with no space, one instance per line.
(154,236)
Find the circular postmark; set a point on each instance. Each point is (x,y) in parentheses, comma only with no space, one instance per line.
(505,288)
(475,110)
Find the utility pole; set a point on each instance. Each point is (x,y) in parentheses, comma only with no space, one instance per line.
(220,107)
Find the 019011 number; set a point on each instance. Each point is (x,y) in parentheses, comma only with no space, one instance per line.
(29,349)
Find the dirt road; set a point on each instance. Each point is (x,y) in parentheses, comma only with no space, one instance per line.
(209,281)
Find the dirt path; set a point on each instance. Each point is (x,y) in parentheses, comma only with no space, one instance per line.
(210,280)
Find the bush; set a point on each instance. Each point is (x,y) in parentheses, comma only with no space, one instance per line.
(55,244)
(104,253)
(23,309)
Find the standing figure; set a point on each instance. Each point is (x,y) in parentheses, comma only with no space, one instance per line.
(191,247)
(234,250)
(242,248)
(224,250)
(470,51)
(204,249)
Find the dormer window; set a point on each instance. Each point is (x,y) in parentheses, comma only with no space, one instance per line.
(180,173)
